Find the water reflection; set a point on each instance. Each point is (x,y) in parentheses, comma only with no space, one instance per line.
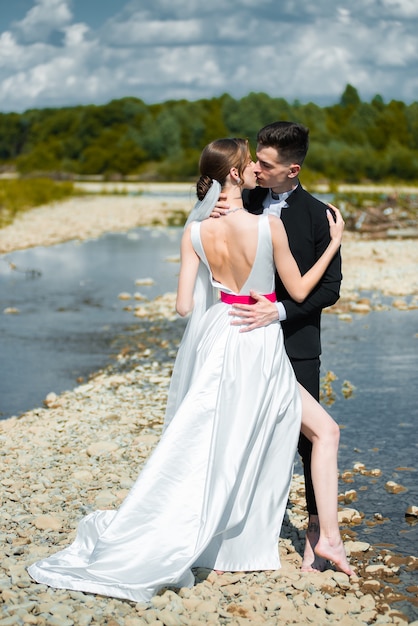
(69,309)
(378,354)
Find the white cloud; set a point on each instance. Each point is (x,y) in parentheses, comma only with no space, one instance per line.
(402,8)
(344,15)
(44,18)
(15,57)
(138,31)
(186,49)
(75,34)
(9,50)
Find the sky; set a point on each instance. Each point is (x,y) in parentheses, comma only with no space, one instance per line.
(57,53)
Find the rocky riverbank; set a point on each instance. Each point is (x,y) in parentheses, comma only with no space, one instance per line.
(83,449)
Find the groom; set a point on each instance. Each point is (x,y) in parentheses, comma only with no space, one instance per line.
(281,150)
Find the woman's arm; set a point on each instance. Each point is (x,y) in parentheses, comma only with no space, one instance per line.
(189,264)
(299,286)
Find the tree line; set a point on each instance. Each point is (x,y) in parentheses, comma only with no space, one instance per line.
(350,141)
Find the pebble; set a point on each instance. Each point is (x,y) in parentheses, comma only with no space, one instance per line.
(356,546)
(47,522)
(349,516)
(101,447)
(358,307)
(393,487)
(412,511)
(144,281)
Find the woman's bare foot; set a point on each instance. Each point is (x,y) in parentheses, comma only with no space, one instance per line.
(334,553)
(312,562)
(219,571)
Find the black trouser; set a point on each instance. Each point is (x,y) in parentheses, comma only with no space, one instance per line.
(307,373)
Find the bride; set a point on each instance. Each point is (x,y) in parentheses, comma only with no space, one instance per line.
(214,491)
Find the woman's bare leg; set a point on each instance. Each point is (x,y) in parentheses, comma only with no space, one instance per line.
(319,427)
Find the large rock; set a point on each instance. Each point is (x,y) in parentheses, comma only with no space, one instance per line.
(349,516)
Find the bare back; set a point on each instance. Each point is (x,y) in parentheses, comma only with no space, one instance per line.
(238,253)
(230,245)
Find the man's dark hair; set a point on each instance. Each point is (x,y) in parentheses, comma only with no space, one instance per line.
(291,140)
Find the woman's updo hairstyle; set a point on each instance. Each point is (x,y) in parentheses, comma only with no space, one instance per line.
(203,185)
(217,159)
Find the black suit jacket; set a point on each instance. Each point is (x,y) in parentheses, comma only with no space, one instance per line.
(307,229)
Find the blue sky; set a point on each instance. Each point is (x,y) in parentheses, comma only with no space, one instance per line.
(68,52)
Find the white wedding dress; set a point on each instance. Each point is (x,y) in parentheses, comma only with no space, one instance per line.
(214,491)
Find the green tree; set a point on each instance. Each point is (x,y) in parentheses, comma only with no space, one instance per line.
(390,124)
(350,97)
(411,116)
(401,164)
(245,117)
(160,135)
(45,157)
(350,140)
(94,160)
(377,102)
(11,136)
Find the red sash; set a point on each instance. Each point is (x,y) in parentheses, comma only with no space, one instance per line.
(232,298)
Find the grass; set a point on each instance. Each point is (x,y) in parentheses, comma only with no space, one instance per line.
(18,195)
